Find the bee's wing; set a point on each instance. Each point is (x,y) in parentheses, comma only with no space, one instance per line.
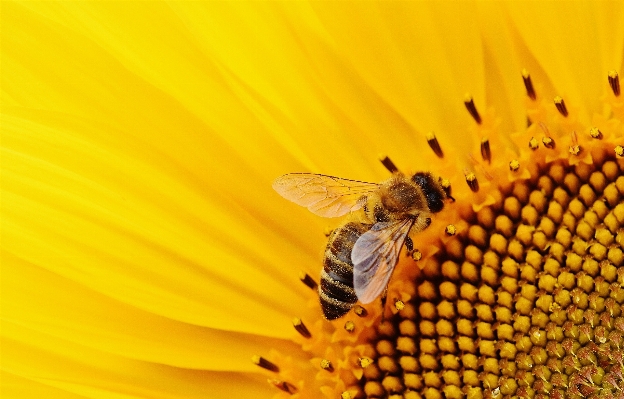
(374,256)
(325,196)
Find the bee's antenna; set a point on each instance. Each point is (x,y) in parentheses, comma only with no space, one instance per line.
(387,162)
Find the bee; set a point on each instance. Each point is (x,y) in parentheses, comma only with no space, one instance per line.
(360,256)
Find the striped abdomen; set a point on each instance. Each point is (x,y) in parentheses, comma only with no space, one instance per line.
(336,289)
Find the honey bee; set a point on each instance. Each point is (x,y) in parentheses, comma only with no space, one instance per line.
(360,256)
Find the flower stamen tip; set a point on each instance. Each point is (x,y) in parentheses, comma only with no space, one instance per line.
(619,151)
(301,328)
(387,162)
(434,144)
(561,107)
(308,280)
(365,362)
(614,82)
(486,153)
(528,84)
(399,305)
(360,311)
(595,133)
(548,142)
(283,385)
(450,230)
(514,165)
(327,365)
(264,363)
(471,179)
(533,143)
(417,255)
(472,108)
(349,326)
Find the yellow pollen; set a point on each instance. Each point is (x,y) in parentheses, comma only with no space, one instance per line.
(399,305)
(365,361)
(471,179)
(514,165)
(327,365)
(346,395)
(360,311)
(548,142)
(595,133)
(349,326)
(450,230)
(619,151)
(561,107)
(417,255)
(574,149)
(533,143)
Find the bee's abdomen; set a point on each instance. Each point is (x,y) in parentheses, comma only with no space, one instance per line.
(336,291)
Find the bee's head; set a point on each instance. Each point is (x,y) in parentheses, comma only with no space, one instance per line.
(434,193)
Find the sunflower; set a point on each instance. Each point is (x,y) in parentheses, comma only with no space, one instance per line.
(144,253)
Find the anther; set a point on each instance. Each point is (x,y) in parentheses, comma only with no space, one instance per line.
(417,255)
(265,364)
(533,143)
(399,305)
(327,365)
(528,84)
(301,328)
(434,144)
(450,230)
(360,311)
(561,106)
(614,82)
(349,326)
(548,142)
(486,153)
(595,133)
(365,361)
(307,280)
(283,385)
(387,162)
(574,149)
(472,109)
(346,395)
(471,179)
(514,165)
(619,151)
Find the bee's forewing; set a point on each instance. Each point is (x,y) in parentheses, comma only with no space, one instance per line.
(374,256)
(326,196)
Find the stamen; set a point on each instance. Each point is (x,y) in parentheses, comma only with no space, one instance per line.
(472,109)
(349,326)
(528,84)
(301,328)
(548,142)
(265,364)
(450,230)
(486,153)
(533,143)
(307,280)
(614,82)
(574,149)
(360,311)
(595,133)
(387,162)
(561,106)
(417,255)
(434,144)
(327,365)
(619,151)
(399,305)
(471,179)
(283,385)
(346,395)
(514,165)
(365,361)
